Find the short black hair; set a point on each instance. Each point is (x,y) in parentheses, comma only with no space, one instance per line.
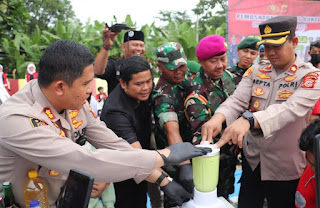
(100,88)
(308,135)
(133,65)
(65,60)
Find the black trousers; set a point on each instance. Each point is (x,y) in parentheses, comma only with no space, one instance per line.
(130,194)
(253,191)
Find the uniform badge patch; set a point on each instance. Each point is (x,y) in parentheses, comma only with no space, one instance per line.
(49,113)
(73,114)
(248,72)
(290,78)
(53,173)
(76,123)
(256,104)
(269,67)
(258,91)
(309,80)
(263,76)
(62,133)
(93,113)
(36,122)
(293,69)
(285,94)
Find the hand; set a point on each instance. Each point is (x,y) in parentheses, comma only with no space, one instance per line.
(212,128)
(176,192)
(180,152)
(234,133)
(108,37)
(186,177)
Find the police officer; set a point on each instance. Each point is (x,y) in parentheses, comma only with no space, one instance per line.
(133,45)
(211,87)
(168,97)
(44,125)
(282,94)
(247,52)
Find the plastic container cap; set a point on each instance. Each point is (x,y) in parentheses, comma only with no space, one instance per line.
(34,203)
(215,151)
(33,174)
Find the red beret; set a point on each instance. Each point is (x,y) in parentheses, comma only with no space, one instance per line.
(210,46)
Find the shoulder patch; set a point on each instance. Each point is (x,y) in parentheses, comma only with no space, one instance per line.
(36,122)
(309,80)
(49,113)
(248,72)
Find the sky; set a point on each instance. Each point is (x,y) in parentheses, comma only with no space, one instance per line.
(141,11)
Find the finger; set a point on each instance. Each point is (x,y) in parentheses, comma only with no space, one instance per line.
(222,141)
(240,140)
(204,134)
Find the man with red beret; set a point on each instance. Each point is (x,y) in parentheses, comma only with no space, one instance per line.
(210,87)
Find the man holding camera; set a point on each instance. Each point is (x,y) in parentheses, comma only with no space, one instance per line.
(133,45)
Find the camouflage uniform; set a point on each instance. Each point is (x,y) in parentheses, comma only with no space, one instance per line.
(237,72)
(168,101)
(206,95)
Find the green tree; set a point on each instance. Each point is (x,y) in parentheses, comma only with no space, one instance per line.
(45,13)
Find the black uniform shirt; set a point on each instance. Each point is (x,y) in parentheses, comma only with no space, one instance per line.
(112,74)
(127,118)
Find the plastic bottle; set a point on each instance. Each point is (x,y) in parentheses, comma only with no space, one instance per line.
(35,189)
(8,198)
(34,204)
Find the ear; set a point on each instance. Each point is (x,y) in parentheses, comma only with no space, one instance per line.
(295,42)
(160,68)
(59,87)
(123,83)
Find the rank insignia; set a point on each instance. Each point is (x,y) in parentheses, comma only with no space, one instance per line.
(36,122)
(309,80)
(293,69)
(248,72)
(263,76)
(269,67)
(256,104)
(93,113)
(264,71)
(62,133)
(49,113)
(258,91)
(53,173)
(73,114)
(285,94)
(290,78)
(76,123)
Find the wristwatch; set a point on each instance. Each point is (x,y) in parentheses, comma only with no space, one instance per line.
(249,116)
(160,179)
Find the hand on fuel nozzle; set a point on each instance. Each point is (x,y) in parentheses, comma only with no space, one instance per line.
(176,192)
(186,177)
(180,152)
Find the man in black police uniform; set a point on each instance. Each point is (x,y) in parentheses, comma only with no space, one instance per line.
(128,114)
(133,45)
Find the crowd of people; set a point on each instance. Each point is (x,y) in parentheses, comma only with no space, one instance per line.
(266,112)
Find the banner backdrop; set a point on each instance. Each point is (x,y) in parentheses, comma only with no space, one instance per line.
(244,17)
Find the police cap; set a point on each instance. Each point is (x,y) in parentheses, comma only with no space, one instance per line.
(277,30)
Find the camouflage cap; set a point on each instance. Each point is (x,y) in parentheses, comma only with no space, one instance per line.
(172,55)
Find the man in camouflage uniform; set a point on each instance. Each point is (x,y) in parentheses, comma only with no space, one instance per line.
(247,52)
(212,86)
(171,124)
